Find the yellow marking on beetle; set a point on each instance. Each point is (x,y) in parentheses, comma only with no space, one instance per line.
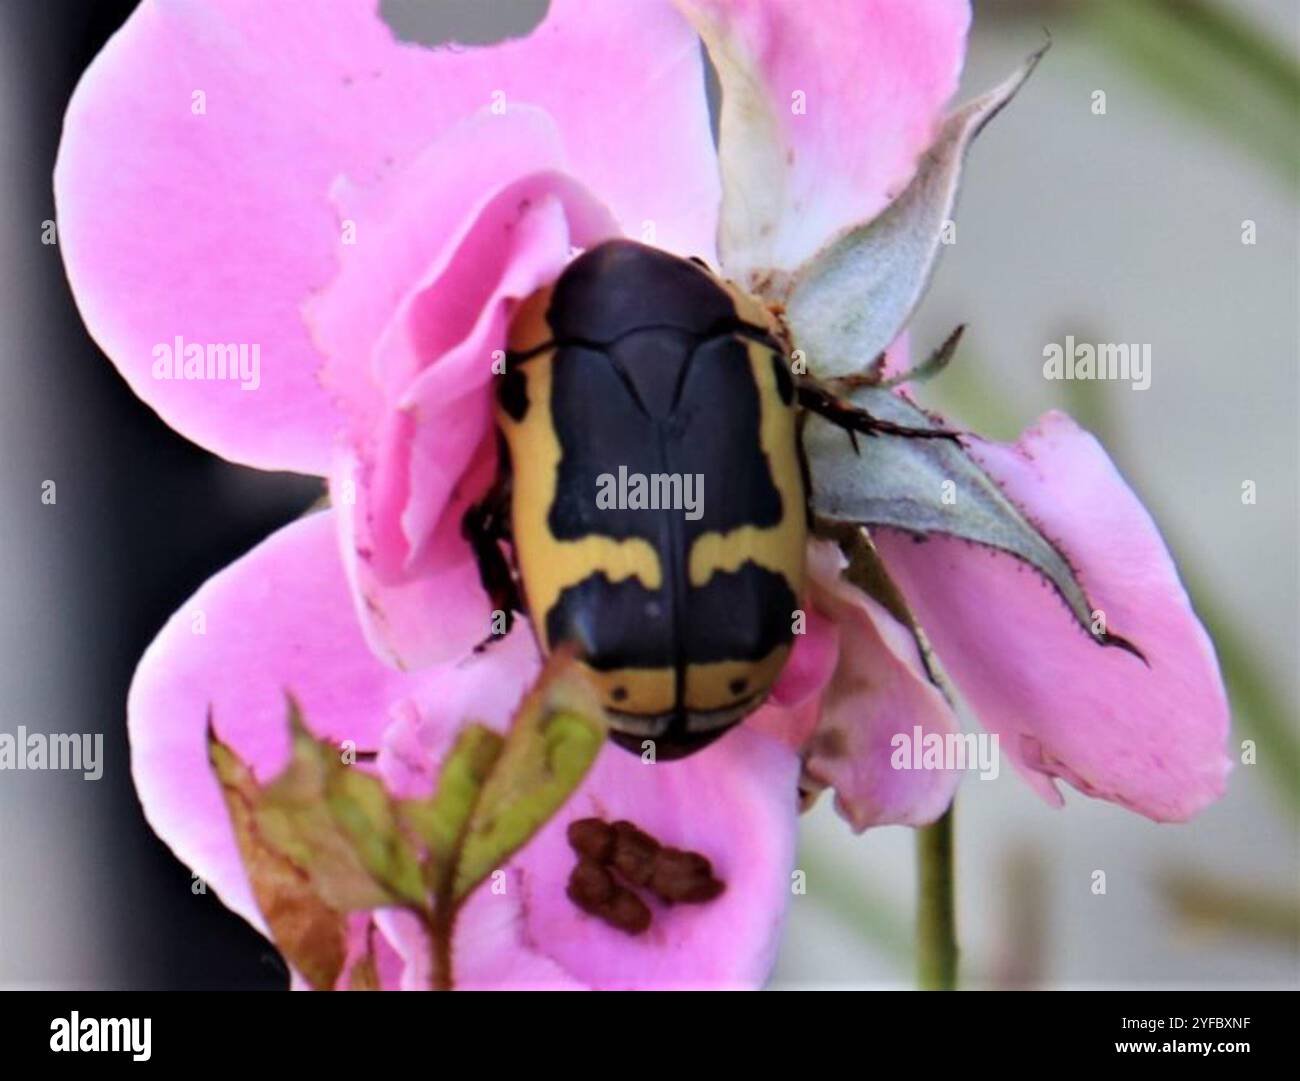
(528,325)
(547,564)
(649,690)
(709,686)
(780,547)
(750,308)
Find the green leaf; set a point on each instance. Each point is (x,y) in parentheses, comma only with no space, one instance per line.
(363,809)
(851,300)
(553,740)
(441,821)
(902,482)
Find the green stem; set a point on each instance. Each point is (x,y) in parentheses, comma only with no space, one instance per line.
(936,925)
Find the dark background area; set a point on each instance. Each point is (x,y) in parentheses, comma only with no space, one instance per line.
(143,517)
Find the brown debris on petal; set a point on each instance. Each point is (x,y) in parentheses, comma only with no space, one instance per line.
(684,877)
(627,912)
(592,838)
(635,852)
(591,885)
(611,855)
(593,889)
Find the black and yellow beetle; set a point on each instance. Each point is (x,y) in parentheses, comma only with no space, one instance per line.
(637,363)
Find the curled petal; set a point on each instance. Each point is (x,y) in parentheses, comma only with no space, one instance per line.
(825,111)
(426,251)
(419,449)
(1148,735)
(878,696)
(200,149)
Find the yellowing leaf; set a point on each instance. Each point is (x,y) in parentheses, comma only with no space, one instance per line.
(319,841)
(320,818)
(310,933)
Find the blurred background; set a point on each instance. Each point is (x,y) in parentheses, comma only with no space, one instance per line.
(1122,226)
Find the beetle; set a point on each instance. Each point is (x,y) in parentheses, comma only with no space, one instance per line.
(639,363)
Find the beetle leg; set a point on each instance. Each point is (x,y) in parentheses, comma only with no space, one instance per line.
(871,376)
(853,419)
(485,526)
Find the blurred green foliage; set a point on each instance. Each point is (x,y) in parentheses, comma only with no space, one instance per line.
(1208,60)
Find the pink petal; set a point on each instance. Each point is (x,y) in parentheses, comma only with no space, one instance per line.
(794,707)
(490,951)
(879,692)
(410,620)
(1148,736)
(279,619)
(413,283)
(874,76)
(815,653)
(217,225)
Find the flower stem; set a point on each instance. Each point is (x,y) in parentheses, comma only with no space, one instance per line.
(438,927)
(936,925)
